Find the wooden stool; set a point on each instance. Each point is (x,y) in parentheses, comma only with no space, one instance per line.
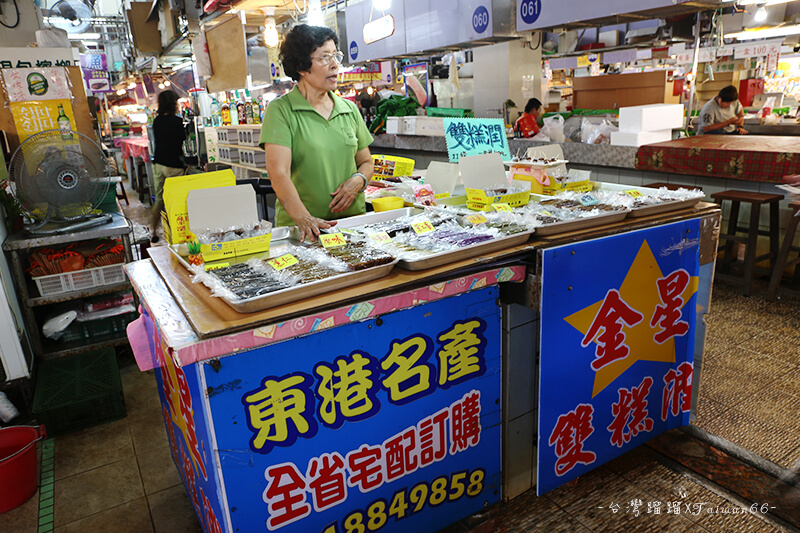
(756,200)
(781,264)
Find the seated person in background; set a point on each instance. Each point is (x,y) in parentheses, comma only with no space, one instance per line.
(528,123)
(723,114)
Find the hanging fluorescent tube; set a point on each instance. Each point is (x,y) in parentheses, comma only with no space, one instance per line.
(765,34)
(182,66)
(83,36)
(765,2)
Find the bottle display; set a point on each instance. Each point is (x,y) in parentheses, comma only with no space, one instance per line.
(226,114)
(64,124)
(248,112)
(240,112)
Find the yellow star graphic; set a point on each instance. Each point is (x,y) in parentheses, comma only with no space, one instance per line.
(640,291)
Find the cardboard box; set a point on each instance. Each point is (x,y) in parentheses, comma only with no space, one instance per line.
(486,171)
(223,208)
(425,126)
(654,117)
(175,217)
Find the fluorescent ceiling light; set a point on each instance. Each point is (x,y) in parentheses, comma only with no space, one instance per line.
(764,2)
(383,5)
(766,33)
(181,66)
(761,14)
(83,36)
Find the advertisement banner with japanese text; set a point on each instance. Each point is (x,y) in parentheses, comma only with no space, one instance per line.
(31,118)
(182,402)
(36,84)
(390,424)
(617,346)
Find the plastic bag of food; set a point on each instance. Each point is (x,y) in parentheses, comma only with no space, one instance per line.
(553,128)
(601,133)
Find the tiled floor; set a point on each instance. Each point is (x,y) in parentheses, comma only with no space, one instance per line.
(120,476)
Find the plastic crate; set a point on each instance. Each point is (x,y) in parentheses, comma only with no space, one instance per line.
(79,391)
(93,329)
(80,279)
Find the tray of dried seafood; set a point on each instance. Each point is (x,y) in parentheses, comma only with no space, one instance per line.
(291,272)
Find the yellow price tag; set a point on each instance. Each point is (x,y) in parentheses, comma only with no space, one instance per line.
(421,228)
(501,206)
(476,219)
(381,236)
(332,240)
(547,213)
(284,261)
(218,265)
(633,193)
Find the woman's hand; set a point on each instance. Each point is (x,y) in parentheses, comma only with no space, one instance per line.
(345,194)
(310,227)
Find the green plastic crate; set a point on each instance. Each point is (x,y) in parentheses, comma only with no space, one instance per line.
(449,112)
(78,391)
(94,329)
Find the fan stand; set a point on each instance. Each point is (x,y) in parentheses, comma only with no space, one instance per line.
(67,226)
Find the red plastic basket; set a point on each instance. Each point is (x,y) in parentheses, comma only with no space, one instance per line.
(19,476)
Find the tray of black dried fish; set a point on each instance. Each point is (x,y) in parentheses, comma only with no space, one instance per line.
(467,252)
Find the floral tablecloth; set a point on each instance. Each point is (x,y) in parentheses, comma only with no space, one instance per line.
(743,157)
(134,147)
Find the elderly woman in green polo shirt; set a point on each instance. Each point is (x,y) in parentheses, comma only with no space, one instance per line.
(316,143)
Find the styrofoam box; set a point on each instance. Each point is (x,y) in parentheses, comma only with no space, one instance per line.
(623,138)
(227,136)
(427,126)
(249,136)
(654,117)
(394,125)
(251,157)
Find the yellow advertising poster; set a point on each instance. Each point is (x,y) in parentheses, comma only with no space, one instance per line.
(33,117)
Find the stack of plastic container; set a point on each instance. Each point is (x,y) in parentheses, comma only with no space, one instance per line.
(647,124)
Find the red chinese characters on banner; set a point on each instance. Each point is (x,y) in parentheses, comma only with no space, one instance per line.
(370,466)
(613,313)
(212,524)
(401,458)
(677,396)
(285,495)
(668,315)
(465,422)
(630,413)
(366,468)
(568,436)
(327,485)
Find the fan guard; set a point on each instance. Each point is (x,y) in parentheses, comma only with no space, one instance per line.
(59,176)
(72,16)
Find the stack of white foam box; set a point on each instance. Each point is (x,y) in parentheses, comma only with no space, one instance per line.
(647,124)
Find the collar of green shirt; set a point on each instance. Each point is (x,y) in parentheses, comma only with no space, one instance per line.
(299,103)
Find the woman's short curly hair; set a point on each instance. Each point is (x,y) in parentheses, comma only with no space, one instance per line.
(299,44)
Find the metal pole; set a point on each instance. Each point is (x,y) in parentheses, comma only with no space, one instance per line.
(695,57)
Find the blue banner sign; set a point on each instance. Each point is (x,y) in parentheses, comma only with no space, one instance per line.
(617,346)
(391,424)
(474,136)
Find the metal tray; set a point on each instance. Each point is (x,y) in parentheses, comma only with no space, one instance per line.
(663,207)
(581,223)
(301,292)
(443,258)
(530,164)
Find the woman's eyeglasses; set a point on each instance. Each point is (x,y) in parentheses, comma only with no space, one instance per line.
(326,59)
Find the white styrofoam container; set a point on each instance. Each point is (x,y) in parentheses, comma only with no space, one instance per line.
(394,125)
(426,126)
(653,117)
(623,138)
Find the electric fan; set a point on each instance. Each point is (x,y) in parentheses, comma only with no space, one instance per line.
(72,16)
(60,176)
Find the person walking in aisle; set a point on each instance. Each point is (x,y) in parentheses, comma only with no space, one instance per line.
(167,160)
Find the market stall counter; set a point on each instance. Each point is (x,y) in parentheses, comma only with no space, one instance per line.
(411,401)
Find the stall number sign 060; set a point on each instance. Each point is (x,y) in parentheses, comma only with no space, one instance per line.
(530,10)
(480,19)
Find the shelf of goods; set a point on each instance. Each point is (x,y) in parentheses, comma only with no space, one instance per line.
(427,371)
(42,295)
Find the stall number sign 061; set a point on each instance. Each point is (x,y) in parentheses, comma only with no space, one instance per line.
(530,10)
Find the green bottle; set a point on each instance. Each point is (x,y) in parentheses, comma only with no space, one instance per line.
(63,124)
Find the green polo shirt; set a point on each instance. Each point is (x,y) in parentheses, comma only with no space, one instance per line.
(323,151)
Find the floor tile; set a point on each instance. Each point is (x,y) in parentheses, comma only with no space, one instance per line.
(141,391)
(582,486)
(24,518)
(91,448)
(131,517)
(157,468)
(722,522)
(172,511)
(147,431)
(751,434)
(97,490)
(776,407)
